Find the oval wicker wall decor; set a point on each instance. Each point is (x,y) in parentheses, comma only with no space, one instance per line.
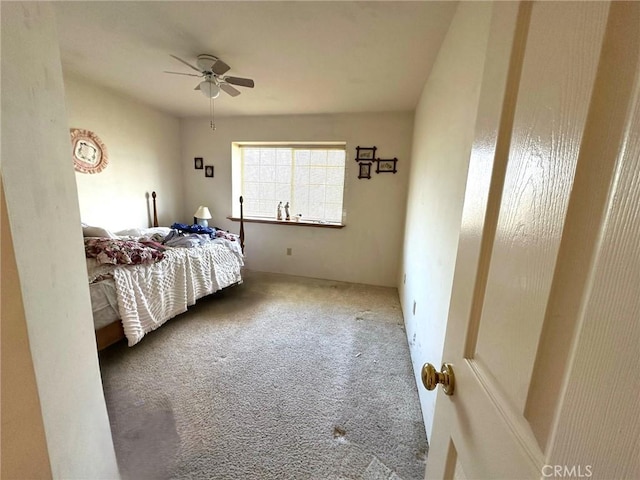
(89,153)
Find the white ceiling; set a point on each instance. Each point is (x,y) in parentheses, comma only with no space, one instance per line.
(305,57)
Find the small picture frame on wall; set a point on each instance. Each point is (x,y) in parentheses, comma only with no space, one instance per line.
(365,153)
(208,171)
(386,165)
(198,163)
(365,170)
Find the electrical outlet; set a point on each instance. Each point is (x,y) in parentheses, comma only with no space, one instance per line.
(414,307)
(289,250)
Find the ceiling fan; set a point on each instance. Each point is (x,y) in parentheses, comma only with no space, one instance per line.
(213,70)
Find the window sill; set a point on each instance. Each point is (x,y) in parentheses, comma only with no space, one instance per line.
(300,223)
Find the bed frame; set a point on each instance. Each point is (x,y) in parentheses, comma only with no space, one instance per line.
(114,332)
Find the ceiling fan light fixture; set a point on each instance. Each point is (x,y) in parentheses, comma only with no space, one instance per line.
(209,89)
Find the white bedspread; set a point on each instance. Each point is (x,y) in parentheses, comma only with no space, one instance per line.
(149,295)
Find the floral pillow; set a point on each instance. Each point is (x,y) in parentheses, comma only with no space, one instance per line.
(120,252)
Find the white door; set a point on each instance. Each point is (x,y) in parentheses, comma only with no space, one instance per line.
(543,323)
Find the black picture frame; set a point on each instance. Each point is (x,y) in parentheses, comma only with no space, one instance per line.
(364,169)
(198,163)
(208,171)
(367,154)
(386,165)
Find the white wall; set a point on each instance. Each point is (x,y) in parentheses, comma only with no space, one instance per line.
(442,138)
(144,155)
(42,207)
(367,250)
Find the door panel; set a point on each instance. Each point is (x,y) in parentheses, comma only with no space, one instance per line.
(540,122)
(558,73)
(598,425)
(606,129)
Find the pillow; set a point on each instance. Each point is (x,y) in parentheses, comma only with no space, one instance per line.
(130,232)
(143,232)
(161,230)
(89,231)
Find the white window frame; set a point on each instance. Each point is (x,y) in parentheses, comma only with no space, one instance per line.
(237,178)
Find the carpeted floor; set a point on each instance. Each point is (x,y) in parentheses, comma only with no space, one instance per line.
(279,378)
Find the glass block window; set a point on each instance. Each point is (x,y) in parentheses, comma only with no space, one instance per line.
(310,178)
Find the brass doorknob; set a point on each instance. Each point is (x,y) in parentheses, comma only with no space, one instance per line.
(431,377)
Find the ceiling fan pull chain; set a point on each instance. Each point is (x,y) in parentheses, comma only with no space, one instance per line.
(211,109)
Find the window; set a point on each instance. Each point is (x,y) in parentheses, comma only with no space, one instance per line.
(309,177)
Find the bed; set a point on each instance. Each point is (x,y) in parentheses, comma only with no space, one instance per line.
(141,278)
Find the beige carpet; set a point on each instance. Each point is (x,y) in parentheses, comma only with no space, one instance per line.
(279,378)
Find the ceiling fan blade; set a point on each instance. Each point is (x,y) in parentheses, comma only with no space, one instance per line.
(180,73)
(229,89)
(185,62)
(220,68)
(197,87)
(242,82)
